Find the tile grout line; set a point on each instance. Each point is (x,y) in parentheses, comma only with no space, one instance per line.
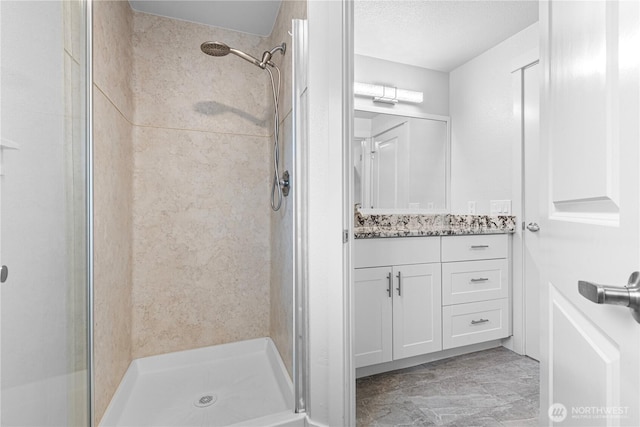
(183,129)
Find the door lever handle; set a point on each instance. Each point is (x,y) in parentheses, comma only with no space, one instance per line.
(533,227)
(628,296)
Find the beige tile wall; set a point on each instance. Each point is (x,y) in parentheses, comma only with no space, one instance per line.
(201,183)
(201,242)
(289,9)
(112,52)
(113,184)
(176,86)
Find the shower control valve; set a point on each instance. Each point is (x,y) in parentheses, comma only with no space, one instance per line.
(284,184)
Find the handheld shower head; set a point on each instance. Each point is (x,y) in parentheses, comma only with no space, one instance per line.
(221,49)
(215,48)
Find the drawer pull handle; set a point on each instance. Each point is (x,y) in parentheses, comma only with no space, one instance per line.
(480,279)
(399,288)
(479,246)
(477,322)
(390,278)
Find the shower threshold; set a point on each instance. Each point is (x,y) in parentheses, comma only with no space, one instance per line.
(243,383)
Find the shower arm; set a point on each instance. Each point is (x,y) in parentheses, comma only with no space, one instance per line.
(268,54)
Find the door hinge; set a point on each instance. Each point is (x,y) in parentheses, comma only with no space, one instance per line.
(345,236)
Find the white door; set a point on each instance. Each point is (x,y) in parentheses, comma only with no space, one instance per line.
(372,288)
(391,168)
(417,310)
(590,190)
(530,255)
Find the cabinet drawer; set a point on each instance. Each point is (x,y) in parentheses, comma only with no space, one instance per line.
(473,281)
(469,248)
(395,251)
(465,324)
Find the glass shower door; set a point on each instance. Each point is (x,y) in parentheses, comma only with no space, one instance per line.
(43,353)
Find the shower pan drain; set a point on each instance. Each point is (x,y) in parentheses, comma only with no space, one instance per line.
(206,400)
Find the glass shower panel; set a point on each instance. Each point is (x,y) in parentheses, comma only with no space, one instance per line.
(43,239)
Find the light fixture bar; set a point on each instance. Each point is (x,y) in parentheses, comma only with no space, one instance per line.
(387,94)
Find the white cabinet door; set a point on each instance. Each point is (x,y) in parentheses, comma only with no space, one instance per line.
(373,319)
(417,310)
(590,221)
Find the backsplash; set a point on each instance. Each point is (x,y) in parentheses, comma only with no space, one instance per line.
(406,225)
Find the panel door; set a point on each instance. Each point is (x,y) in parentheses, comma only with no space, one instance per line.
(373,306)
(589,228)
(417,310)
(390,167)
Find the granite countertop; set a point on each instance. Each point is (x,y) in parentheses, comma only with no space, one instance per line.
(407,225)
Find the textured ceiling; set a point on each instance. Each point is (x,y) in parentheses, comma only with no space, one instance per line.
(436,34)
(248,16)
(440,35)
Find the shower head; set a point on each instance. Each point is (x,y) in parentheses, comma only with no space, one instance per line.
(215,48)
(221,49)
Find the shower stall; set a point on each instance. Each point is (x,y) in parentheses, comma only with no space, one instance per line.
(247,382)
(146,281)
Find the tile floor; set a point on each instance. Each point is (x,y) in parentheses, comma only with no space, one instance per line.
(489,388)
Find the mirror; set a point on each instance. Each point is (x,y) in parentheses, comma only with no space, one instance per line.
(401,163)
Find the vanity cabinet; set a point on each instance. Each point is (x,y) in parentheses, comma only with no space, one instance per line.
(397,307)
(419,295)
(475,289)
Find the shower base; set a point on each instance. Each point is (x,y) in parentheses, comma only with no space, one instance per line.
(237,384)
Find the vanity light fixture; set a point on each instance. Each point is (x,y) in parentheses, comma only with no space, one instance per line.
(386,94)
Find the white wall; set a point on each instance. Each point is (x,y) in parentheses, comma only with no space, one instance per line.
(330,386)
(434,85)
(483,124)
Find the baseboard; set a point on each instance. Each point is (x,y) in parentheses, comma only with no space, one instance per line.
(409,362)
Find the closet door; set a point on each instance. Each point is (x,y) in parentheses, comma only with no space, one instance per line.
(372,331)
(417,310)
